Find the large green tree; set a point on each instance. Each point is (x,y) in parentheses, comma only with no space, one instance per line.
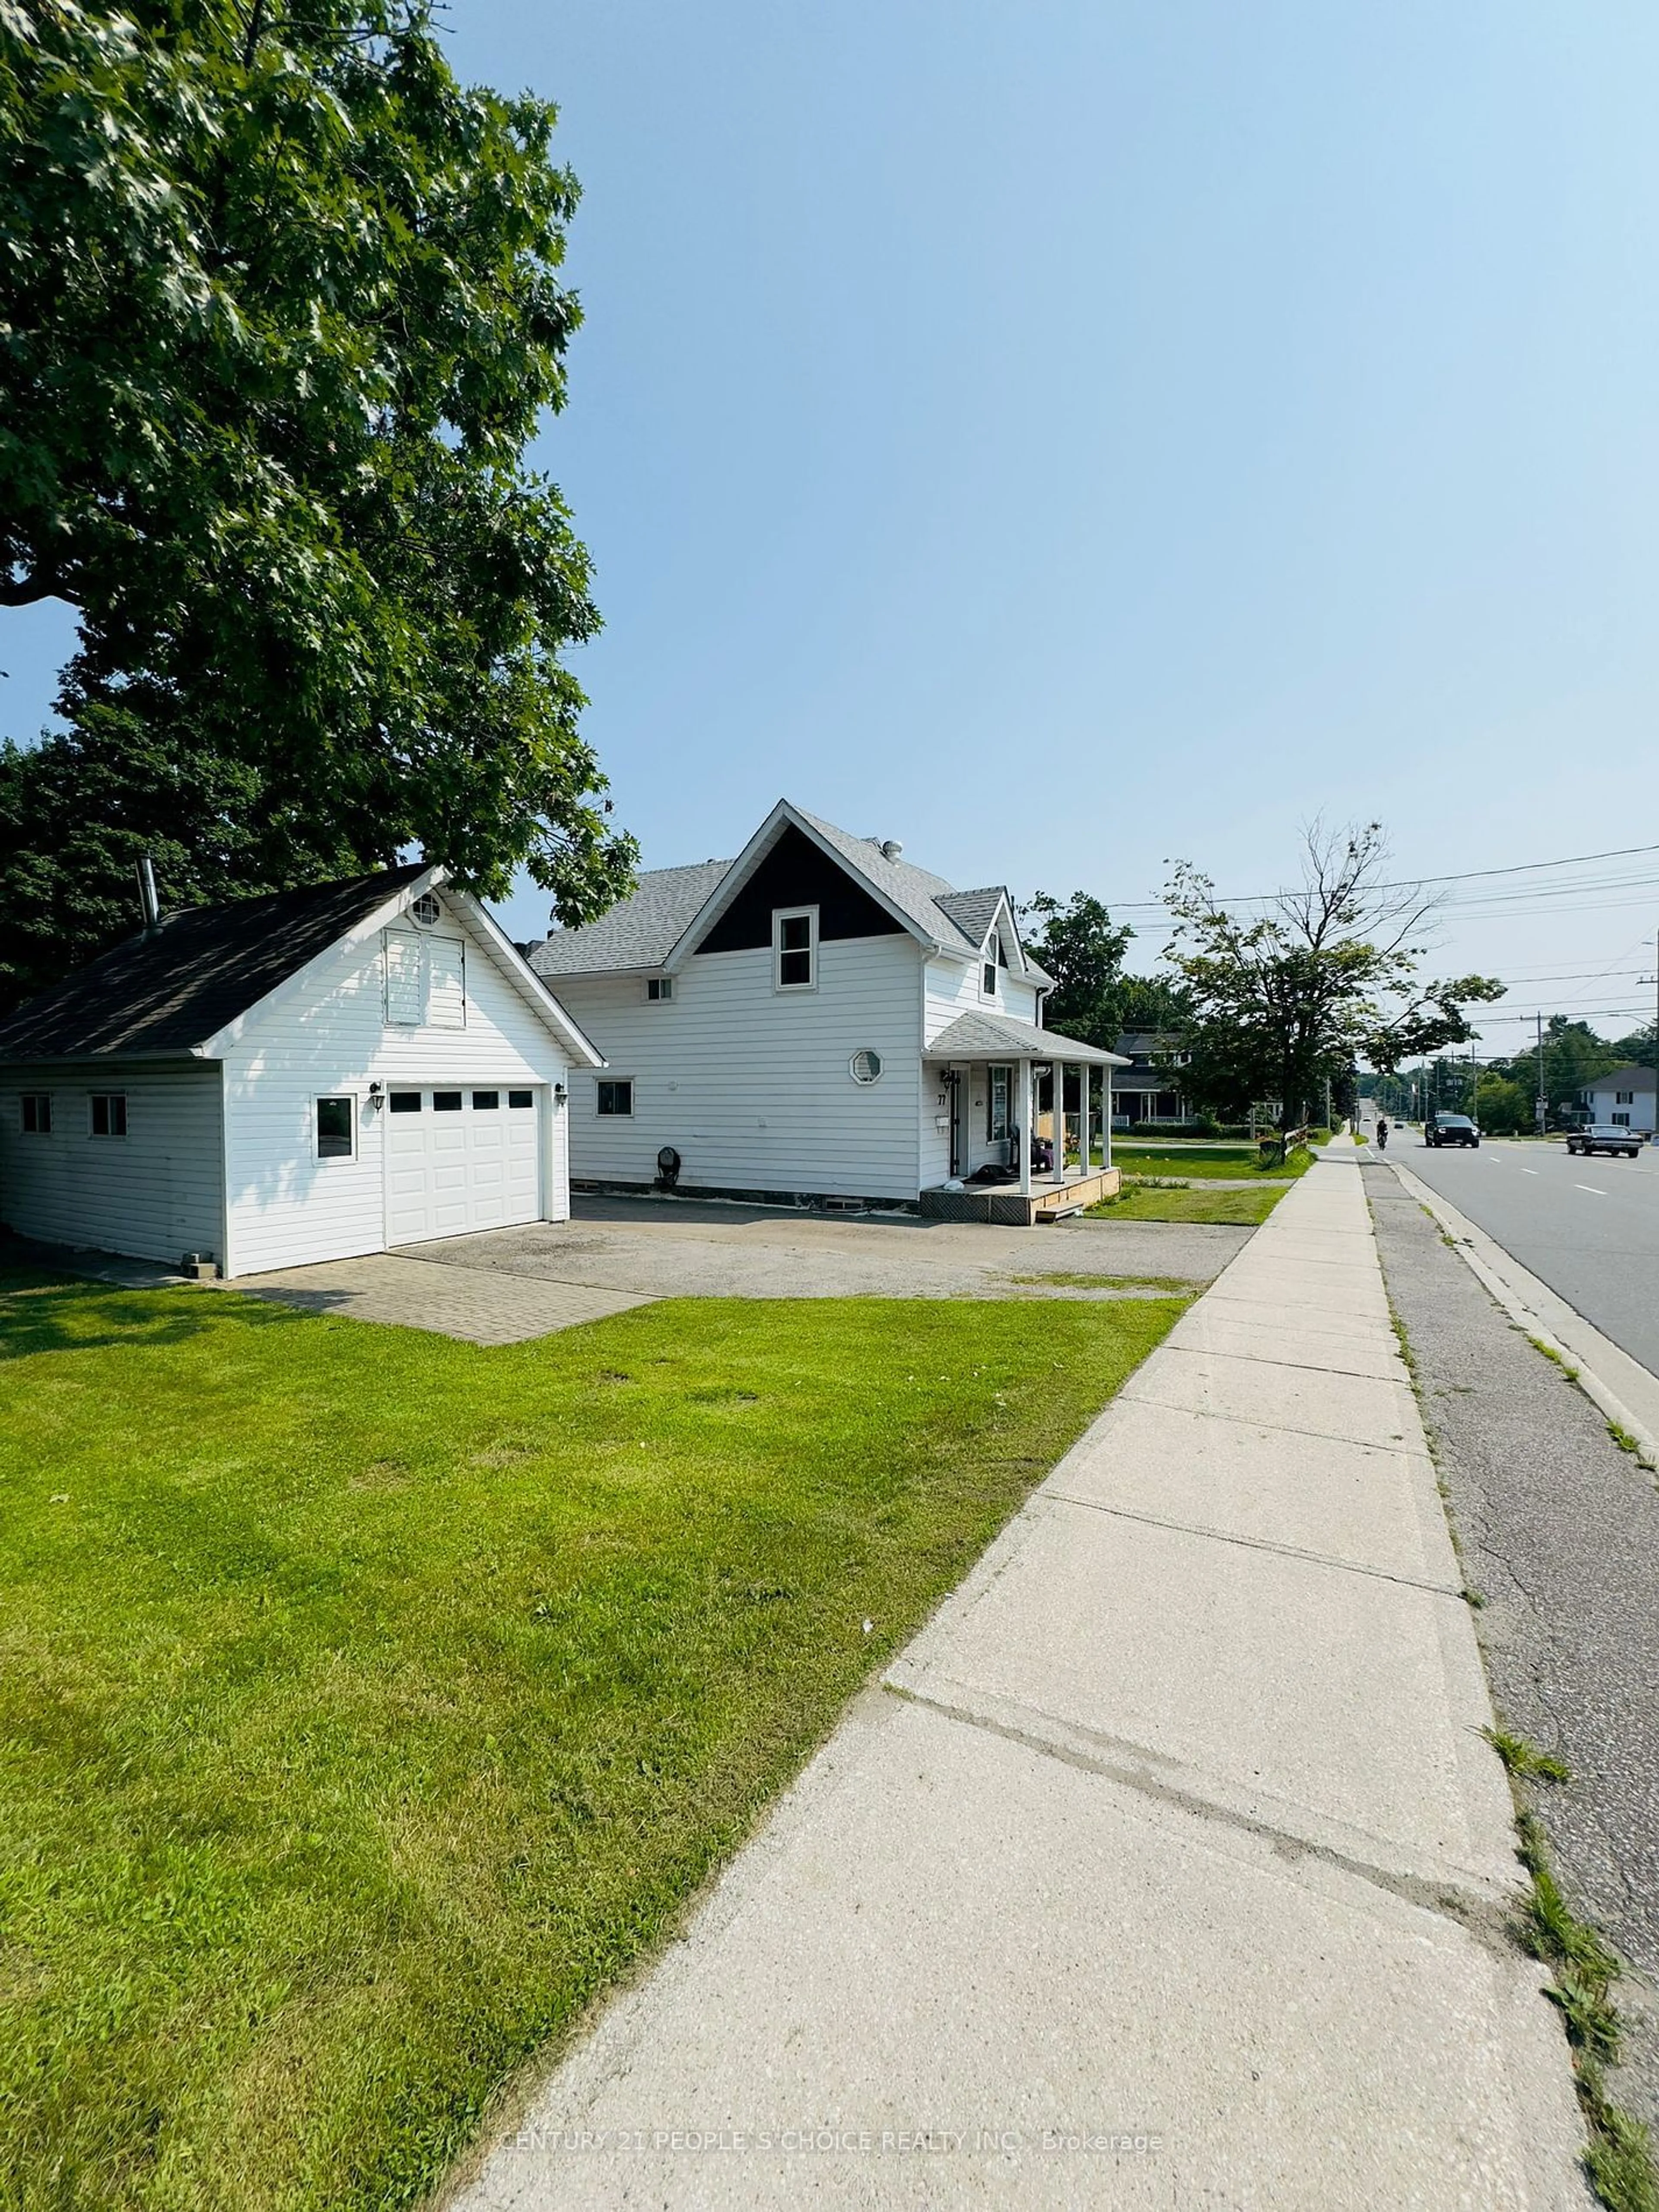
(1326,976)
(1083,949)
(280,310)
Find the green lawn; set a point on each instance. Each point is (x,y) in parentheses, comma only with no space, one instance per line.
(1210,1162)
(372,1700)
(1246,1208)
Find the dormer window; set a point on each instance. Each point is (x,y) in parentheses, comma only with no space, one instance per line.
(994,960)
(795,948)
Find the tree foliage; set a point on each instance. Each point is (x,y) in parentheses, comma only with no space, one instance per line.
(280,308)
(1325,977)
(1093,1000)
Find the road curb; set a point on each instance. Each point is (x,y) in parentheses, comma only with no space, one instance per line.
(1547,1317)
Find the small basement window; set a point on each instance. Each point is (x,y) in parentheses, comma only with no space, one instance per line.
(795,946)
(37,1113)
(109,1114)
(659,987)
(336,1127)
(486,1102)
(406,1102)
(520,1098)
(446,1102)
(617,1097)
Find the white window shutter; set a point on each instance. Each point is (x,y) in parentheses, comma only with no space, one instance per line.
(405,993)
(445,997)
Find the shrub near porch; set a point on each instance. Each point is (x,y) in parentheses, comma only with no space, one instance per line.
(374,1699)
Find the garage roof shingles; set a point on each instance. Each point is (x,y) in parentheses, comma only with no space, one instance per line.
(169,990)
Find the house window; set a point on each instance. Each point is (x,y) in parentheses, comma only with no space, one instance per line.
(996,1121)
(109,1114)
(486,1102)
(1621,1121)
(520,1098)
(659,987)
(617,1097)
(1624,1097)
(425,981)
(336,1128)
(795,947)
(37,1113)
(406,1102)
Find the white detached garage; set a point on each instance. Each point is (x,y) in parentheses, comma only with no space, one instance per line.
(307,1077)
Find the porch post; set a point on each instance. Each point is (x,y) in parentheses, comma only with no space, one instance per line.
(1106,1116)
(1059,1121)
(1083,1117)
(1025,1129)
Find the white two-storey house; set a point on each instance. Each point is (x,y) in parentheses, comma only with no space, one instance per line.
(821,1020)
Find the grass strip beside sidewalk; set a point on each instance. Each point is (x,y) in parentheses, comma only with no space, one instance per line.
(1245,1209)
(372,1701)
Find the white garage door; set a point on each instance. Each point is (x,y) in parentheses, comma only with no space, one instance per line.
(459,1160)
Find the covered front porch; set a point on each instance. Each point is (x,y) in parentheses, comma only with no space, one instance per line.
(1019,1115)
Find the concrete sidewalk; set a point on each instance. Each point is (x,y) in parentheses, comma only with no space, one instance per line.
(1167,1867)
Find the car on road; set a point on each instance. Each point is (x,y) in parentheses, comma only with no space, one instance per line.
(1450,1129)
(1605,1137)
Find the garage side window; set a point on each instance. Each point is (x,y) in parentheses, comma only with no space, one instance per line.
(617,1097)
(37,1113)
(109,1114)
(336,1127)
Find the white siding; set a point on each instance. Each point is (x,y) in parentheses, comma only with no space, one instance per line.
(750,1085)
(953,988)
(289,1208)
(155,1192)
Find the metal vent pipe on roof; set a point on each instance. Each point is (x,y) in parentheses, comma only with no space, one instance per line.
(149,904)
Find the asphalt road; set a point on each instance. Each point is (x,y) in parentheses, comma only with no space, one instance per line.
(1588,1228)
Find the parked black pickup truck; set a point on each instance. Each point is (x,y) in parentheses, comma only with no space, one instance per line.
(1450,1129)
(1608,1137)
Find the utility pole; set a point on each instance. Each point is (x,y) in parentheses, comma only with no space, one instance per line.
(1543,1101)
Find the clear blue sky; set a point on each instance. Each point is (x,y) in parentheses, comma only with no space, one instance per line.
(1068,436)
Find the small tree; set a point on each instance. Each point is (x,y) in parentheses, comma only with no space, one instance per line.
(1327,977)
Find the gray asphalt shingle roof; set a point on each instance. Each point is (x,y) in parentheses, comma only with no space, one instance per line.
(996,1036)
(641,931)
(169,990)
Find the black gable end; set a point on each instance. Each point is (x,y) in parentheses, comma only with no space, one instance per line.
(798,872)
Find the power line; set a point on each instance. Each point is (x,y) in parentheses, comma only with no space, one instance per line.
(1419,883)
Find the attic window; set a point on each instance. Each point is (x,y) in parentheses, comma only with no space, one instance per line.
(427,910)
(794,948)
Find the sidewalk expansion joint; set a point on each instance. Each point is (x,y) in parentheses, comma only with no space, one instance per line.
(1300,1366)
(1488,1918)
(1261,1544)
(1397,1447)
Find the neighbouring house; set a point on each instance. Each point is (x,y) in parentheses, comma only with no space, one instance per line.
(1148,1087)
(820,1020)
(311,1076)
(1625,1098)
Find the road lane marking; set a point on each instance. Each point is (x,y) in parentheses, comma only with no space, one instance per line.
(1591,1188)
(1529,1170)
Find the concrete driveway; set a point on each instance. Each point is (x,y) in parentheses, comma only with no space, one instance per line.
(658,1248)
(506,1285)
